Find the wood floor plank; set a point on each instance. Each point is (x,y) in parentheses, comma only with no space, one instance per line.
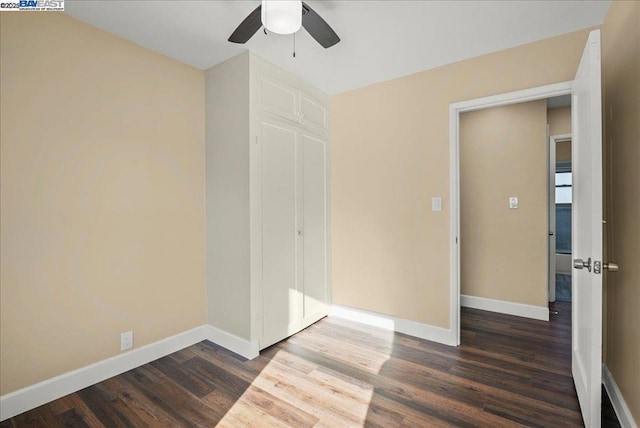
(533,414)
(348,353)
(43,416)
(283,411)
(150,413)
(175,371)
(183,408)
(447,385)
(340,406)
(420,398)
(105,407)
(72,418)
(244,413)
(509,371)
(221,379)
(82,410)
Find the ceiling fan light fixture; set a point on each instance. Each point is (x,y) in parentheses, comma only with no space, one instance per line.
(282,16)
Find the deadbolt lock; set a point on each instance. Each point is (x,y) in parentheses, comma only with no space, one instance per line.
(579,264)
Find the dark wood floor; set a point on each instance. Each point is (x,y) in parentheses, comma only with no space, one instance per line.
(509,371)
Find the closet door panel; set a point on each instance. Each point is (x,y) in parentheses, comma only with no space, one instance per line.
(314,113)
(279,98)
(315,227)
(281,297)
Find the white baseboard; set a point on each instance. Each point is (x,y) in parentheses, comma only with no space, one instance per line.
(617,400)
(389,322)
(509,308)
(28,398)
(51,389)
(244,347)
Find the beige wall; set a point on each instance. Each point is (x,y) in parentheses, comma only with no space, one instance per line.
(563,151)
(102,196)
(621,75)
(559,120)
(503,251)
(390,144)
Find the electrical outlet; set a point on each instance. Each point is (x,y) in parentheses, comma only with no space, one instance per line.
(126,340)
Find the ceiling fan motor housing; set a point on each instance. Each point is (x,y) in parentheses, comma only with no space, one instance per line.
(282,16)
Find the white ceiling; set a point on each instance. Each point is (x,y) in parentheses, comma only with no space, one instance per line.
(381,40)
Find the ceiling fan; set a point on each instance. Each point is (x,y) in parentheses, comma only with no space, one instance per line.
(285,17)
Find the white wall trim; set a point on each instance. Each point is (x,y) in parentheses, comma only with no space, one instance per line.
(389,322)
(522,96)
(555,139)
(531,94)
(246,348)
(503,307)
(617,400)
(28,398)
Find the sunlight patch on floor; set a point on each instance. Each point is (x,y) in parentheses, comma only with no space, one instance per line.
(334,399)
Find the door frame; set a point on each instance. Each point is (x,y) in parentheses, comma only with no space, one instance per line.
(553,141)
(531,94)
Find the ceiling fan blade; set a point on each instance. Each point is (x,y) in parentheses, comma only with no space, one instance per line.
(248,27)
(318,28)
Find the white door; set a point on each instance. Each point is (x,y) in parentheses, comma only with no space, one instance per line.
(587,232)
(281,220)
(294,230)
(315,228)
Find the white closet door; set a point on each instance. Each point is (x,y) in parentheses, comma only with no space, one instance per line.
(281,290)
(315,228)
(279,98)
(314,114)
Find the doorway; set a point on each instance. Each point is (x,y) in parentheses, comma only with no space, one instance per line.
(539,93)
(515,203)
(560,198)
(503,209)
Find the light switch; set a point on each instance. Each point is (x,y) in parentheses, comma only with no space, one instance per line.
(513,202)
(436,203)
